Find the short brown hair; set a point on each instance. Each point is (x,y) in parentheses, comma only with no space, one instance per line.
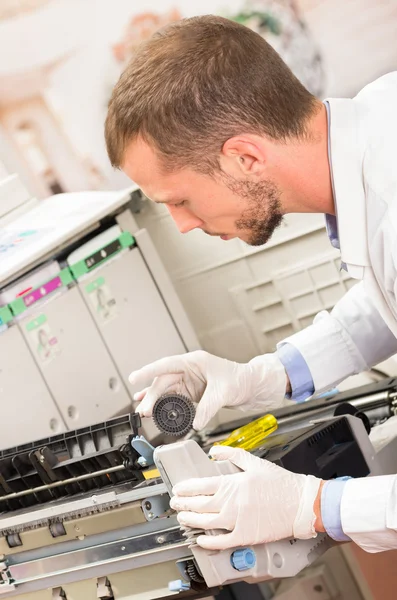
(197,83)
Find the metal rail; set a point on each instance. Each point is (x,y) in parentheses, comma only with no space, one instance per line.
(55,484)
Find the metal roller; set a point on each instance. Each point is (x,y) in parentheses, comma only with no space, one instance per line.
(377,400)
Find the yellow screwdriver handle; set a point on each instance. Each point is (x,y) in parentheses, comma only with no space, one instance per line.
(251,436)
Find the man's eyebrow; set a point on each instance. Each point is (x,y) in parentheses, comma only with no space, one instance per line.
(170,201)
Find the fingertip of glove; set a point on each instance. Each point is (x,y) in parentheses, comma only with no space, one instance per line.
(177,490)
(221,452)
(203,542)
(197,424)
(144,411)
(210,542)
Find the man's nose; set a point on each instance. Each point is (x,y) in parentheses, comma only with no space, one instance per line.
(185,220)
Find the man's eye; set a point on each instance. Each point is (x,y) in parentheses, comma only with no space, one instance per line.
(180,203)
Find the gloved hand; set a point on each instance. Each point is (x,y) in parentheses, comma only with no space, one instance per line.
(263,503)
(215,382)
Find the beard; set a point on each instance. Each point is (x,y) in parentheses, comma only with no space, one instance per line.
(263,214)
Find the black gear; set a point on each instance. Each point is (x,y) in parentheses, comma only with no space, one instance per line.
(174,414)
(193,573)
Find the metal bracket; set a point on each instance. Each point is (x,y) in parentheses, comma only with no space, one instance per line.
(145,449)
(155,506)
(136,200)
(6,581)
(104,589)
(58,594)
(393,397)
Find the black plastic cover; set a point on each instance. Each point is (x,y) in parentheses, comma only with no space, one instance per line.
(324,450)
(68,455)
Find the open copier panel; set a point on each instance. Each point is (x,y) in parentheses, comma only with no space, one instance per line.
(85,514)
(84,300)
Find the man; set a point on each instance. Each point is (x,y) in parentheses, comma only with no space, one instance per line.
(208,120)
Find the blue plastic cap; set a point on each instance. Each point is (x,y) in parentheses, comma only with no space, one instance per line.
(178,586)
(243,559)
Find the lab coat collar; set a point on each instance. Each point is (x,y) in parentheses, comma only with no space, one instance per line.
(347,166)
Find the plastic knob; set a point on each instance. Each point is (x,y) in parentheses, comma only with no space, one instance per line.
(178,586)
(243,559)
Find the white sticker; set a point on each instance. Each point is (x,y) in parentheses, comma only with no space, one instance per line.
(45,343)
(102,299)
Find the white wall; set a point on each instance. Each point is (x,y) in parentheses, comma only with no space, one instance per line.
(3,171)
(82,86)
(357,38)
(282,286)
(358,42)
(240,299)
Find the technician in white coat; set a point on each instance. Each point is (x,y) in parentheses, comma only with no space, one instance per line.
(208,120)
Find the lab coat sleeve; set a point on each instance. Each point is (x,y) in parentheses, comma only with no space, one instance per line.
(350,339)
(369,512)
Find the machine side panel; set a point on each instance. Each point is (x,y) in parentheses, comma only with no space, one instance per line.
(167,290)
(131,316)
(139,329)
(28,409)
(74,361)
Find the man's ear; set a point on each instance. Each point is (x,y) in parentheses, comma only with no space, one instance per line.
(243,156)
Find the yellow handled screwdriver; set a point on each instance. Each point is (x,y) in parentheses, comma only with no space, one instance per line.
(251,436)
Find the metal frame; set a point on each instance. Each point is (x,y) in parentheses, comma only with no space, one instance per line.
(149,543)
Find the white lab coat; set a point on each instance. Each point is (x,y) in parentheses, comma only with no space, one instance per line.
(361,331)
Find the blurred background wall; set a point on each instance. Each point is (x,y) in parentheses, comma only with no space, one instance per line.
(58,62)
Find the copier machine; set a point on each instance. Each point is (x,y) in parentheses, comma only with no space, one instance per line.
(83,517)
(84,300)
(85,514)
(84,484)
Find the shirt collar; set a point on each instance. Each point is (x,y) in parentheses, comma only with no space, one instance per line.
(345,156)
(331,220)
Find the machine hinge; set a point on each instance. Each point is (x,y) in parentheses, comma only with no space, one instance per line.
(104,589)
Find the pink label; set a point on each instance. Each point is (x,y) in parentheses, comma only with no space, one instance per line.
(42,291)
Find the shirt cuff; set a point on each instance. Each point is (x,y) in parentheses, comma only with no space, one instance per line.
(327,341)
(331,498)
(298,372)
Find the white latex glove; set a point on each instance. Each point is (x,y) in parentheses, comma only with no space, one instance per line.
(264,503)
(215,382)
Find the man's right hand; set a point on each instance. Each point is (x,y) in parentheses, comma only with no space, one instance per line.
(213,382)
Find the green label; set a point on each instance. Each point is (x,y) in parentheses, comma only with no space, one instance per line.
(94,285)
(5,315)
(41,319)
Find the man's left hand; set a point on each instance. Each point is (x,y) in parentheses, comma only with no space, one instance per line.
(261,504)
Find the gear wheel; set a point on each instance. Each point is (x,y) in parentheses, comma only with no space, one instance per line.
(174,414)
(193,573)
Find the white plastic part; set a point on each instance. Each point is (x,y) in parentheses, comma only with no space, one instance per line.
(53,223)
(136,325)
(94,244)
(28,408)
(31,280)
(75,364)
(185,460)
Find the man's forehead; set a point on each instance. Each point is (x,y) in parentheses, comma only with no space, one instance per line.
(140,159)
